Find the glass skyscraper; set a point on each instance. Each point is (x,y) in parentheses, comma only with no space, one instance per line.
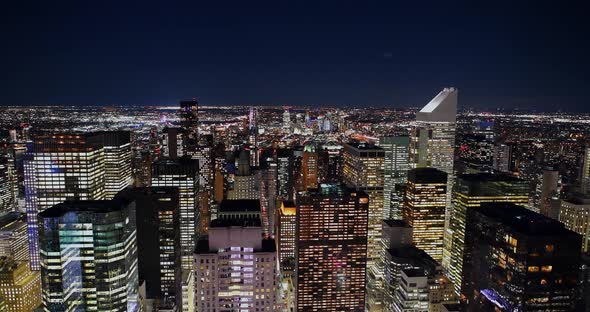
(89,256)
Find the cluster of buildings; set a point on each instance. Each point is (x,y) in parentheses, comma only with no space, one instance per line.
(291,211)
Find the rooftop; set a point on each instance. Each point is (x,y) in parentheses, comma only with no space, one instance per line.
(396,223)
(364,146)
(94,206)
(489,177)
(442,108)
(239,205)
(523,220)
(237,222)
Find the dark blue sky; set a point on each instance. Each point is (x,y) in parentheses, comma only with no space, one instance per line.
(499,54)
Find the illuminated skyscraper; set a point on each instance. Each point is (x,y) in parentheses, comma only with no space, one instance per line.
(518,260)
(189,121)
(20,287)
(363,170)
(236,270)
(586,170)
(284,174)
(204,155)
(424,209)
(117,161)
(7,183)
(158,242)
(471,190)
(89,256)
(433,138)
(14,242)
(309,164)
(173,142)
(285,236)
(331,247)
(183,174)
(286,120)
(574,213)
(61,167)
(396,166)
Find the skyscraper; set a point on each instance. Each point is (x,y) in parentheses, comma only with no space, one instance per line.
(117,161)
(286,120)
(158,242)
(396,166)
(331,247)
(189,121)
(183,174)
(471,190)
(20,287)
(89,256)
(363,170)
(285,236)
(235,268)
(7,195)
(518,260)
(309,164)
(246,181)
(14,242)
(433,137)
(424,209)
(61,167)
(585,180)
(548,204)
(574,213)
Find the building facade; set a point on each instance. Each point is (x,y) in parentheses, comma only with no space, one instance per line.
(424,209)
(331,247)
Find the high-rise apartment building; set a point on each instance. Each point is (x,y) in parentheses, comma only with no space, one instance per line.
(236,269)
(424,209)
(158,242)
(574,213)
(471,190)
(518,260)
(117,161)
(61,167)
(20,287)
(331,249)
(395,169)
(89,256)
(183,174)
(14,242)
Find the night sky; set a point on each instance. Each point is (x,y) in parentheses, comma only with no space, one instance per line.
(363,53)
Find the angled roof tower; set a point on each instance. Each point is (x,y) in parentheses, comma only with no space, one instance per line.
(442,108)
